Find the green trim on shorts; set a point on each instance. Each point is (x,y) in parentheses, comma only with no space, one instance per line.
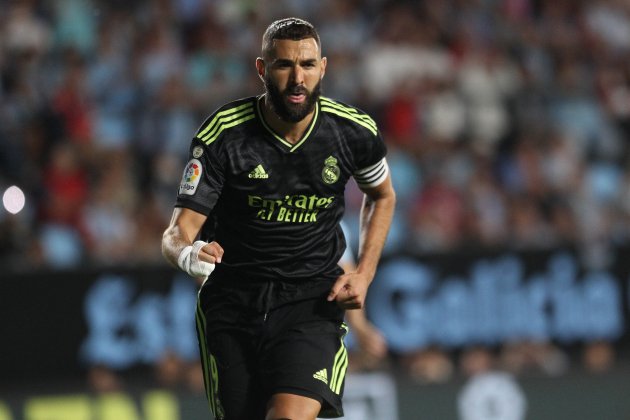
(340,366)
(209,364)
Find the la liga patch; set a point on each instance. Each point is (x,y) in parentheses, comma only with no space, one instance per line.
(191,177)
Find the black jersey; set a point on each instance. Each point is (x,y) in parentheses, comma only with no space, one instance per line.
(277,206)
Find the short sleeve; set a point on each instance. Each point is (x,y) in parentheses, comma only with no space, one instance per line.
(202,179)
(371,165)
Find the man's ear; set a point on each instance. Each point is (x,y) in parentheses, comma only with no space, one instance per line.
(324,62)
(260,68)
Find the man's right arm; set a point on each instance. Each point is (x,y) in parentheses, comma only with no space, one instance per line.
(180,248)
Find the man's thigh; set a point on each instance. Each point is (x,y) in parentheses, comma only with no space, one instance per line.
(233,387)
(305,355)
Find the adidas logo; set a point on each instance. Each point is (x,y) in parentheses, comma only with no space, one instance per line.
(322,375)
(258,173)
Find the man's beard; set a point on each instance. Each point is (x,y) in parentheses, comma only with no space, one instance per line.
(288,111)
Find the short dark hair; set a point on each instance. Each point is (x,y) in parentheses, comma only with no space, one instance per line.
(291,28)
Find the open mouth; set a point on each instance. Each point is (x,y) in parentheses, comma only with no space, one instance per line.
(297,98)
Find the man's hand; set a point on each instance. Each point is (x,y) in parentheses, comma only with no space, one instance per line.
(349,291)
(199,259)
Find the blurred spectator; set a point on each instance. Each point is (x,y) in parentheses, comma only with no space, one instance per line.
(529,357)
(487,208)
(438,217)
(166,121)
(487,80)
(598,357)
(71,100)
(110,83)
(108,216)
(75,24)
(24,31)
(65,193)
(66,187)
(431,365)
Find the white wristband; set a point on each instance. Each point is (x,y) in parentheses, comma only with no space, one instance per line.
(189,261)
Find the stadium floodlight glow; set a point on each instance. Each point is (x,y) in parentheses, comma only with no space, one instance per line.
(13,199)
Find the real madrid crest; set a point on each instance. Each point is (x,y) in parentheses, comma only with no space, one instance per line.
(330,173)
(197,152)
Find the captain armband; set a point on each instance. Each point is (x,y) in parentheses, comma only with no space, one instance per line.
(373,175)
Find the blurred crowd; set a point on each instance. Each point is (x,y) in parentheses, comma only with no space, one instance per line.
(507,121)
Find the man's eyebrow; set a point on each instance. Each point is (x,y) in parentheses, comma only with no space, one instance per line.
(282,61)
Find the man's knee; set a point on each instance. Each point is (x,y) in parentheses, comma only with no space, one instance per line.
(284,406)
(289,416)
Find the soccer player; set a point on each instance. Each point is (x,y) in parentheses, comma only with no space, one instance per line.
(269,173)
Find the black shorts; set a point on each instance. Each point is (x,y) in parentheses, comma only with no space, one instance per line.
(248,356)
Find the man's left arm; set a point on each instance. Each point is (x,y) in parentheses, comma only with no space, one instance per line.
(350,290)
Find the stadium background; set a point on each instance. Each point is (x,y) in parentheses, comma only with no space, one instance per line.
(507,123)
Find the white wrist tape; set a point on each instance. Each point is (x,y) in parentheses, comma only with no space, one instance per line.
(188,261)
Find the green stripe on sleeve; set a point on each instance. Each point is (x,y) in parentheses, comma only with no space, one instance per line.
(221,114)
(349,110)
(344,114)
(239,117)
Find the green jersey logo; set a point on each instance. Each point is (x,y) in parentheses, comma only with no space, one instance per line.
(258,173)
(322,375)
(330,173)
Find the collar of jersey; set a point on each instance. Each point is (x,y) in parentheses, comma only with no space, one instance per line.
(307,133)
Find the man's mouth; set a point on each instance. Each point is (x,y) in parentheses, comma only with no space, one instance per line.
(296,96)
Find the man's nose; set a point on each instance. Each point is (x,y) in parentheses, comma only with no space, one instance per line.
(298,75)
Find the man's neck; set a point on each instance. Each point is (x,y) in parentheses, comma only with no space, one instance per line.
(290,131)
